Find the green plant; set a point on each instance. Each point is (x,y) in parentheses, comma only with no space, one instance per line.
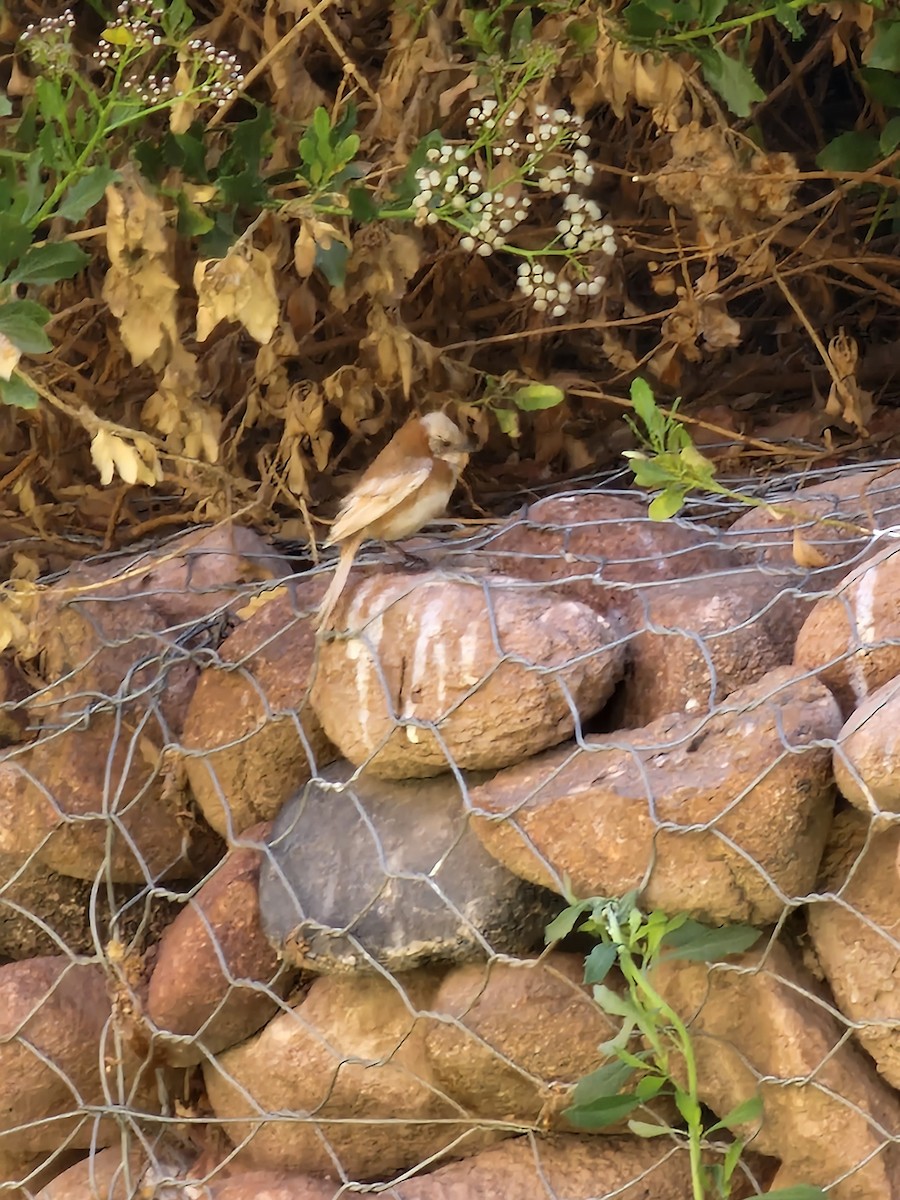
(504,401)
(665,1064)
(70,139)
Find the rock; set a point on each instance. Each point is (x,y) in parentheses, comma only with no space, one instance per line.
(721,816)
(699,639)
(852,639)
(119,628)
(854,504)
(363,871)
(104,1175)
(42,912)
(855,937)
(596,546)
(462,672)
(217,980)
(560,1167)
(527,1168)
(252,737)
(761,1025)
(54,1039)
(14,693)
(64,801)
(867,754)
(503,1054)
(350,1063)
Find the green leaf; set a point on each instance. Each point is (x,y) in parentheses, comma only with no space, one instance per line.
(641,21)
(800,1191)
(732,79)
(883,51)
(666,504)
(50,99)
(536,396)
(563,924)
(177,19)
(5,105)
(521,33)
(23,321)
(787,16)
(849,151)
(890,137)
(688,1106)
(601,1113)
(192,220)
(507,421)
(47,264)
(583,35)
(649,1087)
(750,1110)
(362,207)
(17,393)
(599,961)
(333,262)
(606,1081)
(883,85)
(85,192)
(645,408)
(15,238)
(702,943)
(644,1129)
(710,11)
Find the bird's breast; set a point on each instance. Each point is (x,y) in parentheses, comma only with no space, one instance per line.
(425,504)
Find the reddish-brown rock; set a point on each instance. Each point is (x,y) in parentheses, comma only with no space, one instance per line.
(697,640)
(723,816)
(350,1063)
(856,936)
(56,1040)
(500,669)
(501,1054)
(867,755)
(852,639)
(105,796)
(833,520)
(596,546)
(216,979)
(251,736)
(760,1025)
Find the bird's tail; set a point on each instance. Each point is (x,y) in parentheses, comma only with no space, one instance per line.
(341,574)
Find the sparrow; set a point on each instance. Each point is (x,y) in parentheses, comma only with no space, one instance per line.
(408,484)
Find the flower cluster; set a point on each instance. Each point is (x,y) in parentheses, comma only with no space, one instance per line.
(49,42)
(486,188)
(133,35)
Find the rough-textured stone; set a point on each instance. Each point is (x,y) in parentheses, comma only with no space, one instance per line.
(532,1168)
(216,979)
(498,669)
(14,692)
(350,1064)
(595,547)
(63,801)
(760,1025)
(389,872)
(867,756)
(852,639)
(251,736)
(54,1040)
(833,520)
(856,936)
(106,1175)
(113,628)
(722,816)
(697,640)
(519,1033)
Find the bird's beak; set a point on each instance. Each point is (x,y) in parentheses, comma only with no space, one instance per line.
(468,445)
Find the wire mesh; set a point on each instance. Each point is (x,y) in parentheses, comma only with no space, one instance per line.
(272,909)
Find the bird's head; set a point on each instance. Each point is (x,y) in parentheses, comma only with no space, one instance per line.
(447,441)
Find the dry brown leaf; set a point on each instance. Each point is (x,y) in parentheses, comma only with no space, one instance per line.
(190,426)
(846,399)
(135,462)
(183,111)
(239,287)
(805,554)
(260,600)
(621,75)
(139,287)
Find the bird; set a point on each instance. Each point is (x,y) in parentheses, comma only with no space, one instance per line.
(407,485)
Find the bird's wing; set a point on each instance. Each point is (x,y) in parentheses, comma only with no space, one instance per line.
(376,495)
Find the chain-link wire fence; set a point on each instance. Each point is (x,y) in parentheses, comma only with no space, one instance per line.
(273,907)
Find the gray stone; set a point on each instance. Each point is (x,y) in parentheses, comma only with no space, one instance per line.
(389,873)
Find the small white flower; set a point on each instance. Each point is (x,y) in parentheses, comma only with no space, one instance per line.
(558,310)
(433,155)
(485,250)
(609,246)
(596,286)
(467,243)
(570,241)
(434,179)
(581,289)
(460,153)
(432,218)
(539,305)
